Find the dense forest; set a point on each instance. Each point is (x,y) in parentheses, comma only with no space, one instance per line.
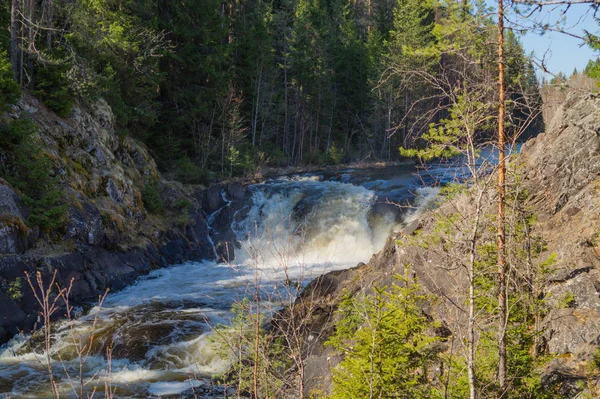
(220,88)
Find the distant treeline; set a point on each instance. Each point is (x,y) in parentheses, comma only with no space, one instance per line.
(222,87)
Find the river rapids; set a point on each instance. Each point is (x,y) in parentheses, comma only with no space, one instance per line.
(160,330)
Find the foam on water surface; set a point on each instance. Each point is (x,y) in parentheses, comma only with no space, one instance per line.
(160,328)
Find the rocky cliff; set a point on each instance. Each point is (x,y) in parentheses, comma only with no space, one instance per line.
(560,172)
(110,237)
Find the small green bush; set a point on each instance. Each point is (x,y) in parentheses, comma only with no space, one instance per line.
(151,198)
(593,70)
(386,345)
(188,172)
(15,289)
(276,157)
(183,203)
(336,155)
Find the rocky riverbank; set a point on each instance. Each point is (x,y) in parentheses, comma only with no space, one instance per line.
(110,237)
(560,172)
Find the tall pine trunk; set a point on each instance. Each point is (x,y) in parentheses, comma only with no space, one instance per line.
(502,290)
(15,38)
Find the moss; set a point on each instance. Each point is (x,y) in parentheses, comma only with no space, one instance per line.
(183,203)
(112,220)
(183,220)
(77,168)
(567,300)
(14,221)
(76,202)
(14,290)
(151,198)
(595,238)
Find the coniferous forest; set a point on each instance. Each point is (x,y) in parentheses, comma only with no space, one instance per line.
(137,135)
(220,88)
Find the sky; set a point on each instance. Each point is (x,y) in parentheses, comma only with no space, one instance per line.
(560,52)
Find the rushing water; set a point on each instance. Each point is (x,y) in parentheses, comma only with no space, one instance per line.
(160,328)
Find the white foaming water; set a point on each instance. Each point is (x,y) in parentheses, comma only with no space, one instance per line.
(160,328)
(307,223)
(425,199)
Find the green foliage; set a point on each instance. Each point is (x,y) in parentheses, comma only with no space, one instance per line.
(251,350)
(117,54)
(596,359)
(387,351)
(187,171)
(336,155)
(209,89)
(53,87)
(15,289)
(529,267)
(31,172)
(592,70)
(151,198)
(528,271)
(183,203)
(567,300)
(9,88)
(594,240)
(470,115)
(451,190)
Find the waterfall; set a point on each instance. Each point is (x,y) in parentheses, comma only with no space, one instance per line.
(160,328)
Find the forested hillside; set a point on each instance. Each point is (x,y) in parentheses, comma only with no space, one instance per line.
(219,88)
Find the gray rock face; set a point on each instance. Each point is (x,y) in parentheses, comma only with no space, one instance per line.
(565,159)
(572,331)
(563,175)
(12,239)
(113,191)
(85,225)
(10,202)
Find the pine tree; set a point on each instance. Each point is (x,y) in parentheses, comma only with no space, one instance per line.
(386,348)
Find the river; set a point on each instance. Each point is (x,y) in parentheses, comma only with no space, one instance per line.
(161,328)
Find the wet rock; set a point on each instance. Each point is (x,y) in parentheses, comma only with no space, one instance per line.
(236,192)
(214,199)
(305,206)
(13,267)
(109,241)
(4,335)
(11,314)
(173,251)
